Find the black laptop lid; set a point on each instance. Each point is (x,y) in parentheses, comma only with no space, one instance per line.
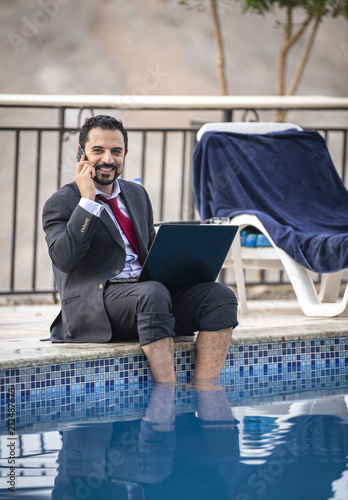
(188,254)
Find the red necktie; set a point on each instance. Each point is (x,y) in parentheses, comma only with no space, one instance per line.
(124,222)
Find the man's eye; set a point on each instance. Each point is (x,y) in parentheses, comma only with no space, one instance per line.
(117,152)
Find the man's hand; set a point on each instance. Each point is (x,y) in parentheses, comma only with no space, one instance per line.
(85,173)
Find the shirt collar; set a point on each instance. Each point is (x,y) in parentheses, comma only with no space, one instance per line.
(115,192)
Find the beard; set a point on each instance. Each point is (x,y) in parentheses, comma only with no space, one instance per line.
(106,179)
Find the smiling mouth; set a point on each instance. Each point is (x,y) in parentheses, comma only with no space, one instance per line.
(106,174)
(105,169)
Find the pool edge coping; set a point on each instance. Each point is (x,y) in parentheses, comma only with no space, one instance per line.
(69,352)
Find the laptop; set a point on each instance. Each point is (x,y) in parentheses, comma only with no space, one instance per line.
(186,254)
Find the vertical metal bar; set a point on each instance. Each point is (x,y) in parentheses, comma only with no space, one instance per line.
(227,115)
(14,211)
(36,209)
(143,157)
(20,442)
(191,201)
(61,124)
(164,150)
(42,442)
(60,145)
(344,156)
(183,162)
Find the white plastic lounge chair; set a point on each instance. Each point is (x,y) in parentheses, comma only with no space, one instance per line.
(312,304)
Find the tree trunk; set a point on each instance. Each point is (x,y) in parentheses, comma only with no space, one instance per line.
(281,74)
(304,58)
(290,38)
(220,57)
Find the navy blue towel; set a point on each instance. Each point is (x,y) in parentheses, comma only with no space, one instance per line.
(288,180)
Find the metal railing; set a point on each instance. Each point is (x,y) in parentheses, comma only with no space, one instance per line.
(38,137)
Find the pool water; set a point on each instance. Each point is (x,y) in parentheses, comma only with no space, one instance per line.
(287,447)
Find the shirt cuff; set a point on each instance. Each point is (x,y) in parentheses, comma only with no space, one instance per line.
(91,206)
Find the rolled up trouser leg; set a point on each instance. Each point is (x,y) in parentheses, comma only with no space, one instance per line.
(204,307)
(141,310)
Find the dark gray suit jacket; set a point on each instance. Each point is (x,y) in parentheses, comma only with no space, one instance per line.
(86,251)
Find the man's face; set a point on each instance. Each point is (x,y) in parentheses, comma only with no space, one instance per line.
(106,151)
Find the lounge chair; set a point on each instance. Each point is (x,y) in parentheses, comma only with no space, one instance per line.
(281,180)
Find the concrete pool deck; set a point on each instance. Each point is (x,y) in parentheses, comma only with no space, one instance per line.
(22,327)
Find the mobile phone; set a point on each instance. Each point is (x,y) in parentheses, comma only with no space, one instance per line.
(80,153)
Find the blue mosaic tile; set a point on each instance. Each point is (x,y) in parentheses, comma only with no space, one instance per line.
(79,389)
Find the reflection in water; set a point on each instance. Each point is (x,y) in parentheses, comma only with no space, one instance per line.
(202,455)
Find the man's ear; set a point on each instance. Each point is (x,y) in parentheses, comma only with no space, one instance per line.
(126,152)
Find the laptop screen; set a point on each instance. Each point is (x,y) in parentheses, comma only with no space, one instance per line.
(188,253)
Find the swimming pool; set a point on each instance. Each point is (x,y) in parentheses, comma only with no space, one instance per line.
(188,444)
(278,429)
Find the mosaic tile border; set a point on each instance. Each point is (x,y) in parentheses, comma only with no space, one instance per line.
(98,388)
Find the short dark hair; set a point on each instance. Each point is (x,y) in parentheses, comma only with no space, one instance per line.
(104,122)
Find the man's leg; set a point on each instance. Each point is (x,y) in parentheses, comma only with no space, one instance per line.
(212,349)
(144,311)
(210,309)
(160,355)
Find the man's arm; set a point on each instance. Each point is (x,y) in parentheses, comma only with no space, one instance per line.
(69,228)
(69,231)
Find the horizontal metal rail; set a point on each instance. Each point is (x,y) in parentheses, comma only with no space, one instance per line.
(174,103)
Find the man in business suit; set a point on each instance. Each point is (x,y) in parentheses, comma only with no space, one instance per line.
(92,252)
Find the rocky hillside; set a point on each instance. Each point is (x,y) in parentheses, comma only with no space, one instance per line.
(152,47)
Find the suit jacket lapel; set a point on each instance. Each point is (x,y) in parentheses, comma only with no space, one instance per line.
(131,204)
(129,201)
(110,226)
